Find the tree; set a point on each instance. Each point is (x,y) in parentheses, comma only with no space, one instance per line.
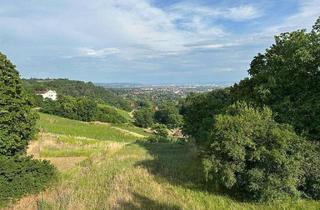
(168,114)
(143,117)
(17,120)
(86,109)
(287,78)
(253,155)
(199,110)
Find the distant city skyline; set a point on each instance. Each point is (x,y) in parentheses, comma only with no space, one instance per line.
(145,41)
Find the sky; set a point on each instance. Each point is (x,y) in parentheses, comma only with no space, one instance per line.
(145,41)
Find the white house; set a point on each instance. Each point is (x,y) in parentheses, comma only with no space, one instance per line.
(51,94)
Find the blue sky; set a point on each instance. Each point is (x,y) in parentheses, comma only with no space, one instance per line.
(145,41)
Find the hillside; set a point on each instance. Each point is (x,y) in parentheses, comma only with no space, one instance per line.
(78,89)
(102,167)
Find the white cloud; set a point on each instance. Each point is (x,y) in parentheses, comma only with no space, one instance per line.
(99,53)
(239,13)
(308,12)
(242,13)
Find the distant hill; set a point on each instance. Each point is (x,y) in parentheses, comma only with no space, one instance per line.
(78,89)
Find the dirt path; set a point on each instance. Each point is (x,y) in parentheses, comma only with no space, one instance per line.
(129,132)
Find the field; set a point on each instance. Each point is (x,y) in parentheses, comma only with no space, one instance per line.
(104,167)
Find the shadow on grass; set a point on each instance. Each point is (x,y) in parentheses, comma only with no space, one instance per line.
(177,163)
(180,164)
(141,202)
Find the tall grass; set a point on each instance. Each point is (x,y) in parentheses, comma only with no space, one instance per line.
(134,175)
(146,176)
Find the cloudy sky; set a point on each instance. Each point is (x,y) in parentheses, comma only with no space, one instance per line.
(145,41)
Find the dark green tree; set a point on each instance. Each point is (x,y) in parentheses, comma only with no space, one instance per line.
(17,120)
(287,79)
(199,110)
(86,109)
(143,117)
(253,156)
(168,114)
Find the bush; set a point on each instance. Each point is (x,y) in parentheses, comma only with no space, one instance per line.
(22,175)
(161,135)
(107,114)
(310,185)
(253,155)
(143,117)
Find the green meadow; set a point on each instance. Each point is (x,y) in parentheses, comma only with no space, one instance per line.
(112,170)
(99,131)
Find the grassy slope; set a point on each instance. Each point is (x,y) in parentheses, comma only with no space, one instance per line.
(138,175)
(59,125)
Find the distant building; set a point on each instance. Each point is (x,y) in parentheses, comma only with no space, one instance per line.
(50,94)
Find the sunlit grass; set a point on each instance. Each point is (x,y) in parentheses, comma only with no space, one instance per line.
(59,125)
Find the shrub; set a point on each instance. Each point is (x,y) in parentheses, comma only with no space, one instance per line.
(22,175)
(253,155)
(17,121)
(143,117)
(107,114)
(160,130)
(310,185)
(161,135)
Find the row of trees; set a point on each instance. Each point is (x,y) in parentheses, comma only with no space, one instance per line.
(76,89)
(166,114)
(260,138)
(83,109)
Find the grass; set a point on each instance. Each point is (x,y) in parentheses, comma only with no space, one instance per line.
(133,175)
(146,176)
(59,125)
(134,129)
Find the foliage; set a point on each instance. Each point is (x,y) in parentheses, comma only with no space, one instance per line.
(17,120)
(109,114)
(83,109)
(22,175)
(199,110)
(168,114)
(287,78)
(310,185)
(160,130)
(143,117)
(160,134)
(252,154)
(78,89)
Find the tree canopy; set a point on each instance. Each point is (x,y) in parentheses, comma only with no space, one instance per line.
(287,78)
(17,121)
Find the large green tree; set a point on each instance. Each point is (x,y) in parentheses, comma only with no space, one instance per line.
(143,117)
(168,114)
(287,78)
(199,110)
(17,120)
(253,155)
